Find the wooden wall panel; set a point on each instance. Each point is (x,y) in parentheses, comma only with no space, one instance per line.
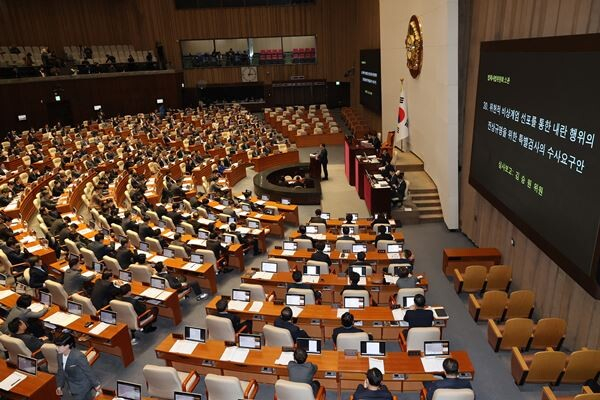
(556,293)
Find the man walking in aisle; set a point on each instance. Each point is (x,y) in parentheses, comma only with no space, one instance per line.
(323,158)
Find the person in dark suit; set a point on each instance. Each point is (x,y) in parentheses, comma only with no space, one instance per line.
(382,235)
(347,320)
(18,329)
(360,260)
(285,321)
(235,320)
(297,284)
(37,273)
(303,235)
(104,291)
(319,255)
(317,218)
(303,372)
(419,317)
(124,256)
(381,219)
(374,140)
(74,375)
(146,231)
(245,240)
(68,232)
(22,312)
(177,242)
(346,234)
(127,224)
(73,280)
(450,381)
(179,283)
(354,279)
(385,156)
(322,157)
(98,247)
(138,306)
(58,225)
(404,280)
(13,251)
(372,388)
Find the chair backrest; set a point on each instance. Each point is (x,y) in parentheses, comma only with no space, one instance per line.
(134,238)
(453,394)
(86,302)
(112,265)
(140,273)
(287,390)
(153,217)
(51,355)
(14,346)
(162,381)
(474,278)
(221,387)
(168,222)
(351,341)
(304,243)
(220,328)
(209,256)
(125,314)
(282,264)
(59,295)
(321,227)
(154,244)
(309,295)
(179,251)
(323,267)
(549,332)
(256,221)
(117,229)
(277,337)
(516,333)
(520,304)
(383,244)
(407,292)
(344,244)
(356,293)
(188,228)
(546,366)
(88,257)
(418,336)
(73,249)
(493,304)
(498,277)
(581,366)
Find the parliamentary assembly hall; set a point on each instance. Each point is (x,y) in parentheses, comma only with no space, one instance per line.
(300,199)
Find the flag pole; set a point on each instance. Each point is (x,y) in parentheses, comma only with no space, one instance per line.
(401,89)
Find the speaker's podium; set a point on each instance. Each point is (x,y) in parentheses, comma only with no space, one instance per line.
(314,168)
(352,148)
(378,194)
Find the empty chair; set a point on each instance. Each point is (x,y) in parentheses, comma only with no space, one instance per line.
(586,394)
(520,304)
(416,337)
(168,222)
(323,267)
(257,292)
(581,366)
(321,228)
(453,394)
(342,245)
(287,390)
(229,387)
(208,256)
(548,332)
(406,292)
(304,243)
(134,238)
(89,257)
(117,229)
(163,381)
(491,305)
(277,337)
(383,244)
(127,315)
(140,273)
(154,245)
(72,247)
(472,280)
(356,293)
(309,295)
(188,228)
(542,367)
(220,328)
(350,341)
(499,277)
(179,251)
(153,217)
(282,264)
(59,295)
(86,302)
(112,265)
(516,332)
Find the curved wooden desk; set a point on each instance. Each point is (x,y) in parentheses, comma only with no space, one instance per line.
(273,160)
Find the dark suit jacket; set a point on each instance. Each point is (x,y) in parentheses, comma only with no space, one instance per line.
(446,383)
(323,156)
(382,393)
(37,277)
(124,256)
(294,330)
(103,293)
(301,373)
(138,306)
(15,257)
(215,247)
(419,318)
(146,230)
(100,249)
(76,376)
(342,329)
(129,226)
(32,343)
(73,281)
(383,236)
(346,238)
(320,256)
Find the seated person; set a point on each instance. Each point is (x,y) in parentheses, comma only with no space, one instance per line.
(303,372)
(417,316)
(349,219)
(138,306)
(347,320)
(382,235)
(21,311)
(15,252)
(372,388)
(140,261)
(404,280)
(37,273)
(19,330)
(354,279)
(98,247)
(346,234)
(235,320)
(360,260)
(245,240)
(319,255)
(303,235)
(298,284)
(450,381)
(73,280)
(285,321)
(104,290)
(177,242)
(178,282)
(406,256)
(124,255)
(317,218)
(381,219)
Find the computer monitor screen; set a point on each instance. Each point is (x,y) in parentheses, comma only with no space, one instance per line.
(129,391)
(327,248)
(195,334)
(121,238)
(105,232)
(97,107)
(264,197)
(269,211)
(74,257)
(108,317)
(161,224)
(97,267)
(180,229)
(231,220)
(169,253)
(144,246)
(351,230)
(312,270)
(394,248)
(249,341)
(159,101)
(326,216)
(289,245)
(285,201)
(212,217)
(436,348)
(240,295)
(246,208)
(408,301)
(158,283)
(197,258)
(354,216)
(46,299)
(22,117)
(228,239)
(359,247)
(354,302)
(27,364)
(125,276)
(202,235)
(253,224)
(225,202)
(362,271)
(186,396)
(266,266)
(294,300)
(312,346)
(369,348)
(74,308)
(312,230)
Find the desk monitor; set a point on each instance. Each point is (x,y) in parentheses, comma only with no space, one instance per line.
(228,239)
(46,299)
(144,246)
(354,216)
(370,348)
(326,216)
(22,117)
(358,247)
(264,197)
(312,230)
(202,235)
(240,295)
(158,283)
(105,232)
(162,224)
(97,267)
(197,258)
(294,300)
(436,348)
(125,276)
(289,245)
(312,270)
(327,248)
(194,334)
(186,396)
(108,317)
(225,202)
(26,364)
(212,217)
(97,107)
(360,270)
(351,230)
(408,301)
(74,308)
(253,224)
(394,248)
(248,341)
(231,220)
(285,201)
(269,211)
(267,266)
(129,391)
(180,229)
(169,253)
(312,346)
(377,215)
(246,207)
(354,302)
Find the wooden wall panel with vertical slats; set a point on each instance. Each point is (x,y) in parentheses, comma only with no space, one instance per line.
(556,293)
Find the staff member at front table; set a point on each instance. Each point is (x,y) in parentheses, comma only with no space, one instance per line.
(323,158)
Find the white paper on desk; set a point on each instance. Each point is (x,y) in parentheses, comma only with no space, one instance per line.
(62,319)
(151,293)
(163,295)
(220,207)
(267,276)
(84,231)
(256,306)
(147,254)
(36,307)
(12,380)
(242,213)
(243,230)
(432,364)
(35,248)
(65,268)
(285,357)
(393,256)
(398,314)
(240,197)
(98,329)
(170,234)
(256,231)
(288,253)
(197,242)
(87,274)
(260,202)
(310,278)
(258,215)
(5,293)
(191,266)
(377,363)
(184,346)
(341,311)
(205,221)
(237,305)
(28,239)
(296,310)
(158,258)
(235,354)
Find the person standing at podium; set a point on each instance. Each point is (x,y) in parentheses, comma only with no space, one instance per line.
(322,157)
